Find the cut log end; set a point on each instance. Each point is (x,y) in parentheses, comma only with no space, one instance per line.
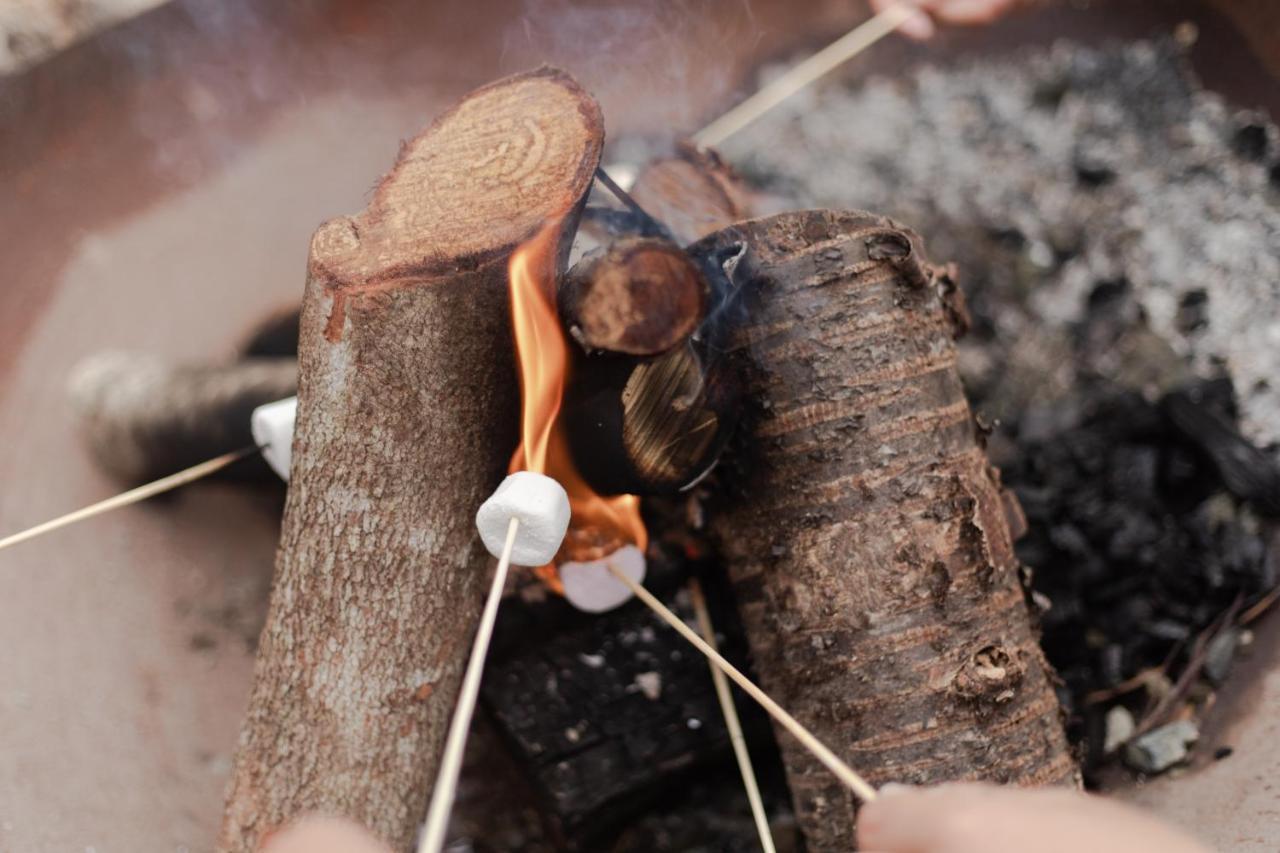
(693,193)
(480,180)
(640,296)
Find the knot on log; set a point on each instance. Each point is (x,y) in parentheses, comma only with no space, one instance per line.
(989,678)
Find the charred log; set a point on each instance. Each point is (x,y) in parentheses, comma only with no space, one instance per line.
(605,712)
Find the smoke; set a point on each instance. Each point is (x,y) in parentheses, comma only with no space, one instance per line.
(659,68)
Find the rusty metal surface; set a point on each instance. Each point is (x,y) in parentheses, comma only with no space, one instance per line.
(158,186)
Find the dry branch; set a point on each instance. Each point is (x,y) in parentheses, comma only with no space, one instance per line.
(864,531)
(407,413)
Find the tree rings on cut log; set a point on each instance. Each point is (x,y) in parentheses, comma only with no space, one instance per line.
(651,426)
(639,296)
(481,180)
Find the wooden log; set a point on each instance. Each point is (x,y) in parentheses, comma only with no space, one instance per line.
(407,414)
(638,295)
(693,192)
(144,418)
(656,425)
(863,529)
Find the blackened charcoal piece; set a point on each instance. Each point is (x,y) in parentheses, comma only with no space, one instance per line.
(1247,472)
(1134,471)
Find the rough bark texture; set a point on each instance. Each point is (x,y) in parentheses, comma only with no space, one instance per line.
(408,407)
(864,531)
(144,418)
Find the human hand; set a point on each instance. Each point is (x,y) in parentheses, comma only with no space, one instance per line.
(968,818)
(314,834)
(923,23)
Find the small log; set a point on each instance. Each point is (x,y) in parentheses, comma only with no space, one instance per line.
(693,192)
(863,528)
(639,296)
(144,418)
(407,412)
(657,425)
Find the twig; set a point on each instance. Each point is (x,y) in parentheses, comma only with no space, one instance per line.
(821,63)
(732,722)
(846,774)
(1259,607)
(133,496)
(648,226)
(455,744)
(1195,663)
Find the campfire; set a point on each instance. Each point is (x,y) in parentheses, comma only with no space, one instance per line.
(788,410)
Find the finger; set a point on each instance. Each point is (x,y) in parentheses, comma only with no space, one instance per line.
(897,820)
(968,12)
(323,835)
(918,25)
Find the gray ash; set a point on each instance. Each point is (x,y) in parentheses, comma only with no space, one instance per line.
(1117,233)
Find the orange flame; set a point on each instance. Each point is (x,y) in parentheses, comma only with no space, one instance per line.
(543,355)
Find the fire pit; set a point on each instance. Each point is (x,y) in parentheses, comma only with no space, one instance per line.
(1193,433)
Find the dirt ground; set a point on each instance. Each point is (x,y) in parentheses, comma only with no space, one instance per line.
(161,182)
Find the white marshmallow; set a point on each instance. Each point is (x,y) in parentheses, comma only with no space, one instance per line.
(591,587)
(272,426)
(543,509)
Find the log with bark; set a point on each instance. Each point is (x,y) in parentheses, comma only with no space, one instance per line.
(864,530)
(144,418)
(408,409)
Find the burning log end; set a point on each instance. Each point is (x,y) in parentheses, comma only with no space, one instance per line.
(640,296)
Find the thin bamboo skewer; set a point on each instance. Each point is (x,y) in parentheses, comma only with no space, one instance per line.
(455,744)
(796,78)
(846,774)
(732,722)
(133,496)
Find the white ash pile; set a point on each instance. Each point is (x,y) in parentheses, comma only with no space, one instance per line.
(1048,174)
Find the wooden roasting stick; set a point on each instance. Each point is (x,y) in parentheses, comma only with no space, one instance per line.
(732,723)
(406,407)
(846,774)
(445,789)
(799,76)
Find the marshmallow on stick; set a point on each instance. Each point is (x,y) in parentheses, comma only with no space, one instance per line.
(272,427)
(541,506)
(538,502)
